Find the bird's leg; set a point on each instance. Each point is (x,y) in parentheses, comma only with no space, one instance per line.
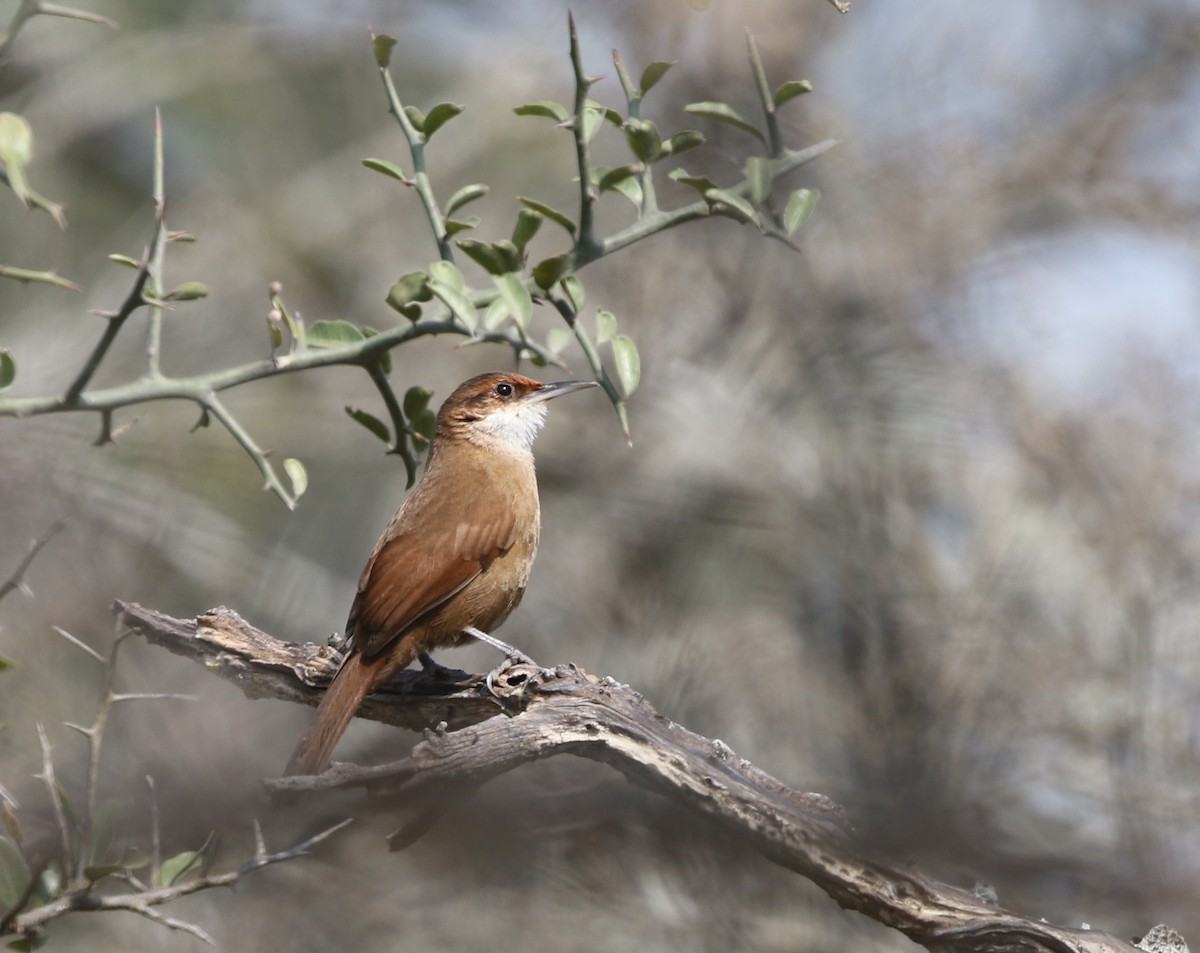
(513,654)
(437,670)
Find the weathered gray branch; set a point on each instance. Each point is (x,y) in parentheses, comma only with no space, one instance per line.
(477,727)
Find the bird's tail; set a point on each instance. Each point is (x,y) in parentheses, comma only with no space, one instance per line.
(352,683)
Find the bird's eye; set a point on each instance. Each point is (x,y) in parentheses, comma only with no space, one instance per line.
(504,389)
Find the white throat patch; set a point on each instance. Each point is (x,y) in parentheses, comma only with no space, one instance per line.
(515,426)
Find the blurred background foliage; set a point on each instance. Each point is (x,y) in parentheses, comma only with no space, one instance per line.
(910,518)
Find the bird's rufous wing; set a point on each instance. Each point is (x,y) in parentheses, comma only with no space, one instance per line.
(413,571)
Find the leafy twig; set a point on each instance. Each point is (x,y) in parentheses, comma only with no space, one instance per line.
(143,902)
(256,453)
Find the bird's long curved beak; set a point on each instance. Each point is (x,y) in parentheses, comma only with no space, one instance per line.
(556,389)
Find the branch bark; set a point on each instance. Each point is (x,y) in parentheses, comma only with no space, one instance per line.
(477,727)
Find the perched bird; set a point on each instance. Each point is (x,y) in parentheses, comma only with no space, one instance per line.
(457,555)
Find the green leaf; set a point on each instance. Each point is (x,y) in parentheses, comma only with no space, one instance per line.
(592,118)
(652,74)
(468,193)
(644,139)
(496,314)
(188,291)
(559,338)
(723,112)
(606,325)
(186,238)
(485,255)
(573,288)
(454,226)
(510,253)
(760,174)
(547,272)
(126,261)
(551,213)
(454,296)
(14,874)
(416,117)
(701,183)
(629,364)
(382,44)
(682,142)
(799,209)
(607,112)
(174,869)
(516,298)
(411,287)
(16,149)
(416,399)
(333,334)
(791,89)
(528,223)
(425,424)
(6,663)
(299,477)
(448,274)
(371,422)
(546,108)
(724,202)
(8,368)
(619,179)
(439,115)
(385,167)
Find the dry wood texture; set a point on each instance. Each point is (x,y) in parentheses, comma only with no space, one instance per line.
(479,726)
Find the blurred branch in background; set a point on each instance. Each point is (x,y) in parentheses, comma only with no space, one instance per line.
(83,872)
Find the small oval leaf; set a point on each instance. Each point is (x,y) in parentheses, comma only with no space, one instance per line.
(485,255)
(457,301)
(516,298)
(333,334)
(606,325)
(574,291)
(299,477)
(544,107)
(386,168)
(416,399)
(551,213)
(791,89)
(439,115)
(8,368)
(760,175)
(371,422)
(558,338)
(729,203)
(723,112)
(799,209)
(629,364)
(528,223)
(468,193)
(547,272)
(652,74)
(189,291)
(126,261)
(176,868)
(382,45)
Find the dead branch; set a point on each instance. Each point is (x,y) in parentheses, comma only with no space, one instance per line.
(478,727)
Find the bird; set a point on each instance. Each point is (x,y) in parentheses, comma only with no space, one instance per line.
(456,556)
